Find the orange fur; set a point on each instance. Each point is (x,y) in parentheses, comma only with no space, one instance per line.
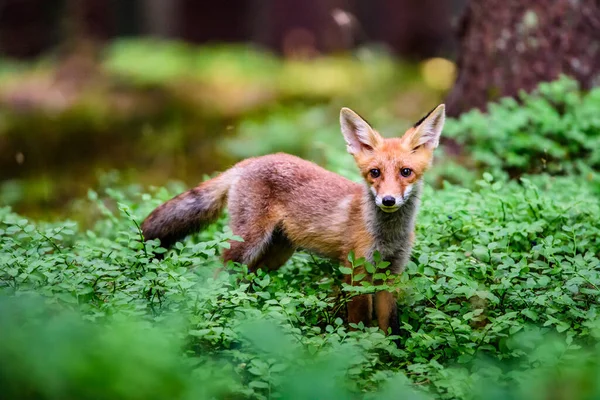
(279,203)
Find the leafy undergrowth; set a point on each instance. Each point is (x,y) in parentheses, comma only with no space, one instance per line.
(500,300)
(555,129)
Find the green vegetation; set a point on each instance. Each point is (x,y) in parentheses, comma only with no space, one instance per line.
(555,130)
(500,299)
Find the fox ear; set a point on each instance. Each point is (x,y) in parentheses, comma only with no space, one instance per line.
(358,133)
(427,131)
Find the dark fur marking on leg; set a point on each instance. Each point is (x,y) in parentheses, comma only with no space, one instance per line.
(395,324)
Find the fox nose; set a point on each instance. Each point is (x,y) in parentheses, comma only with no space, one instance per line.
(388,201)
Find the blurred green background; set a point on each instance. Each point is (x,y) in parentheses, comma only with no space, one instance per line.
(150,99)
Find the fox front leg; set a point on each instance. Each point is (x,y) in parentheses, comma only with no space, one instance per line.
(360,307)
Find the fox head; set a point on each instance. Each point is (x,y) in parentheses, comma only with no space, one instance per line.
(391,167)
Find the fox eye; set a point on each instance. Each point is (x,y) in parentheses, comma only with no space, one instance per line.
(375,173)
(405,172)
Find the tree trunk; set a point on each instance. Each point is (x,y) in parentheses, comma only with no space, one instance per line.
(213,21)
(27,27)
(300,28)
(415,29)
(160,17)
(508,46)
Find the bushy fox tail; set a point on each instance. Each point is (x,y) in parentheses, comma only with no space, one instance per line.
(188,212)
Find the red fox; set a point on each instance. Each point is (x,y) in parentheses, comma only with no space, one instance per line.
(279,203)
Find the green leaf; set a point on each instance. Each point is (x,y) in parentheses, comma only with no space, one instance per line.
(359,277)
(530,313)
(258,385)
(345,270)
